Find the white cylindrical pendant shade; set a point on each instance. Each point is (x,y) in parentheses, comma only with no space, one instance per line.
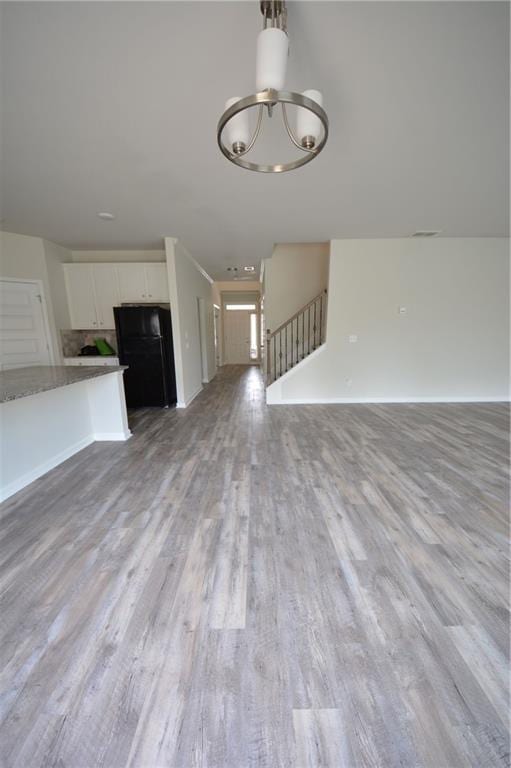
(307,123)
(237,130)
(271,60)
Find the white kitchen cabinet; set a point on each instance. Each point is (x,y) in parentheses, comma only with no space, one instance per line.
(80,294)
(93,291)
(157,282)
(106,293)
(132,282)
(143,282)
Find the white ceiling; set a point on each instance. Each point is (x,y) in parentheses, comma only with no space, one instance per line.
(113,107)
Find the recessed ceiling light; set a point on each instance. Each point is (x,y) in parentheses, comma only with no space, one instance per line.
(249,269)
(106,216)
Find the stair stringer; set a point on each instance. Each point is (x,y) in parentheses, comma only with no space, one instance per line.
(274,391)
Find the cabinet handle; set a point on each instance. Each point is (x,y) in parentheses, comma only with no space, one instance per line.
(150,295)
(143,295)
(94,322)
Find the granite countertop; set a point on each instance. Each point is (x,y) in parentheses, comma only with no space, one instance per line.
(22,382)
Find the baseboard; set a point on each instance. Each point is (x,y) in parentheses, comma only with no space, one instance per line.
(42,469)
(186,403)
(388,400)
(112,436)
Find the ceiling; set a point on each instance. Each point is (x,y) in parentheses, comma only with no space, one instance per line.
(113,107)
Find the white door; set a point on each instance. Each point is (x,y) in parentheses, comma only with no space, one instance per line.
(23,339)
(80,294)
(157,282)
(236,336)
(132,282)
(106,288)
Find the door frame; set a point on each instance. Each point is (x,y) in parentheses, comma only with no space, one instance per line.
(226,300)
(202,312)
(44,309)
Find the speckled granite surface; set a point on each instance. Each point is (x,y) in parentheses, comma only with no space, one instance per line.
(22,382)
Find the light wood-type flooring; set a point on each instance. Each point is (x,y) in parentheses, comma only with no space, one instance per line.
(244,586)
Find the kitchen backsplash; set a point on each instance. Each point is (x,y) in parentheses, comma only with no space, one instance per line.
(73,341)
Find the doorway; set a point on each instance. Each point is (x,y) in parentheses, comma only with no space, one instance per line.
(203,338)
(241,333)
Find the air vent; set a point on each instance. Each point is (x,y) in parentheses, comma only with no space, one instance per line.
(426,233)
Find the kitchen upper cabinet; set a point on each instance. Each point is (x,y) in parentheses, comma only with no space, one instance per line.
(157,282)
(93,292)
(106,293)
(132,282)
(80,294)
(143,282)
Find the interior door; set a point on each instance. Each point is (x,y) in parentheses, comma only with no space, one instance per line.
(23,339)
(106,288)
(237,337)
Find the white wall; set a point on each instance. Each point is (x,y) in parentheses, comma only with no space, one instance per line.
(451,344)
(187,283)
(295,274)
(114,256)
(32,258)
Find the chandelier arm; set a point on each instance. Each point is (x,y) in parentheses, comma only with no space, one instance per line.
(290,132)
(256,133)
(272,97)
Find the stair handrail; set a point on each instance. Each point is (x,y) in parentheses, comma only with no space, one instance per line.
(272,335)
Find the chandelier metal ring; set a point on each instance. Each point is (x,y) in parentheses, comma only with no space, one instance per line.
(270,98)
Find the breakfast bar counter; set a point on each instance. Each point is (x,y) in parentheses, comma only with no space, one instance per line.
(48,413)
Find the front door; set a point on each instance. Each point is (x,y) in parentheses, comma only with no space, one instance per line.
(23,339)
(237,337)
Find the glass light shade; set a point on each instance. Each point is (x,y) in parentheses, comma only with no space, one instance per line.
(307,123)
(271,59)
(237,130)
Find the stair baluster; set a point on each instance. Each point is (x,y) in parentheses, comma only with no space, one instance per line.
(311,321)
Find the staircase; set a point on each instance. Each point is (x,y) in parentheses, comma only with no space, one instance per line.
(295,339)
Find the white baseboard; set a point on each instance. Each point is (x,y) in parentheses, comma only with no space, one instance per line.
(42,469)
(388,400)
(186,403)
(113,436)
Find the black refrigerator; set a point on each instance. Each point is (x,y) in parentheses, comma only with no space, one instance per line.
(144,339)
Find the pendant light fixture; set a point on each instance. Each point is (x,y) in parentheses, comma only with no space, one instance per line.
(311,130)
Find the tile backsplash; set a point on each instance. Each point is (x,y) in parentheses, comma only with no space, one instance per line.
(73,341)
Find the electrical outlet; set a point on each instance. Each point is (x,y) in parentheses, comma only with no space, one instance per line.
(402,310)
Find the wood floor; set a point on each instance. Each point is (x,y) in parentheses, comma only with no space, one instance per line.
(241,585)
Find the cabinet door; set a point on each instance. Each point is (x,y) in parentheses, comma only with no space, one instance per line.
(80,294)
(132,282)
(157,282)
(106,288)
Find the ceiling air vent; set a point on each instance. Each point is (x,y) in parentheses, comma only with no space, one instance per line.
(426,233)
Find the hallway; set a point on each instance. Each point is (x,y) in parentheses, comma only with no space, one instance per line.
(249,586)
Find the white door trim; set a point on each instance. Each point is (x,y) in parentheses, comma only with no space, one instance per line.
(44,310)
